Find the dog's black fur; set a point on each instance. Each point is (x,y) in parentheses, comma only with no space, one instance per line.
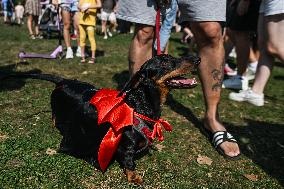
(76,118)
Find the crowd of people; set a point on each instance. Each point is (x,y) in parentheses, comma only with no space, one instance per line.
(250,28)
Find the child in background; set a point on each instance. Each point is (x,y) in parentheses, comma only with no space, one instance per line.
(19,12)
(8,7)
(33,10)
(87,23)
(69,13)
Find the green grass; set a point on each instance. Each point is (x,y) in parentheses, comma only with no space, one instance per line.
(26,130)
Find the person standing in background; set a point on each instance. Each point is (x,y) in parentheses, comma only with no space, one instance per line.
(270,41)
(8,7)
(108,14)
(19,13)
(69,9)
(33,10)
(241,26)
(87,23)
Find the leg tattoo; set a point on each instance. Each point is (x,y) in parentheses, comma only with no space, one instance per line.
(218,77)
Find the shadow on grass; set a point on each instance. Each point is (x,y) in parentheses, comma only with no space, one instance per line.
(184,111)
(279,77)
(99,53)
(7,84)
(261,142)
(279,64)
(121,78)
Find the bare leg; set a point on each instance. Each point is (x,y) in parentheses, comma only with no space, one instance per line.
(35,18)
(228,44)
(253,55)
(140,47)
(83,52)
(104,30)
(30,24)
(242,42)
(76,27)
(270,45)
(209,40)
(66,28)
(113,25)
(5,16)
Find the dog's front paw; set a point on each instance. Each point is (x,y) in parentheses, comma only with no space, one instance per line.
(133,177)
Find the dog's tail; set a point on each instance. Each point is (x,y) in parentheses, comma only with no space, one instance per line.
(46,77)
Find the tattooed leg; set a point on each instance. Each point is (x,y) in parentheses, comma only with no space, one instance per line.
(209,40)
(218,77)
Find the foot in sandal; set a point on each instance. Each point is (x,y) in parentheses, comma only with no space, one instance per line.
(83,60)
(92,61)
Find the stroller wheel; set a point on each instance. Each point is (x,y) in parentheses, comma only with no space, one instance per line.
(61,55)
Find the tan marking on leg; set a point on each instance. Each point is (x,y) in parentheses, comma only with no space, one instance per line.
(133,177)
(53,121)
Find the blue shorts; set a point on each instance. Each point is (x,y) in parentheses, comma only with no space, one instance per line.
(70,7)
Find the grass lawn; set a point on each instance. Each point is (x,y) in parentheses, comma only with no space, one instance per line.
(26,131)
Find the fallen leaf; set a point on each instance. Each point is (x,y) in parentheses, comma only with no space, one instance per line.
(159,147)
(190,95)
(50,151)
(204,160)
(251,177)
(3,137)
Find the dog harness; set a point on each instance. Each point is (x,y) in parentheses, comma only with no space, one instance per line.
(112,109)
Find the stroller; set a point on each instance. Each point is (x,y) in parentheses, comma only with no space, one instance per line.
(50,22)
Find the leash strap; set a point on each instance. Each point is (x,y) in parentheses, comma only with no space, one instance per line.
(158,20)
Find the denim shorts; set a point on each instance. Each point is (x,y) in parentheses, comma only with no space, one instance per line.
(70,7)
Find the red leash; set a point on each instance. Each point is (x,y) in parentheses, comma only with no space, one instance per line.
(158,19)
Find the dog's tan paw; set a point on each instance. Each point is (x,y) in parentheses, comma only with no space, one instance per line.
(133,177)
(53,121)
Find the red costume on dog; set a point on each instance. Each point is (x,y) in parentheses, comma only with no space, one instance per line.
(114,110)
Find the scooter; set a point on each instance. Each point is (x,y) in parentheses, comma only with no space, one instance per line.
(57,53)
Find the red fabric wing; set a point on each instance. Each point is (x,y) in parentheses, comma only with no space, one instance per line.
(113,110)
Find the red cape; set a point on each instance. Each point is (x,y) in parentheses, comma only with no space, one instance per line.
(114,110)
(111,109)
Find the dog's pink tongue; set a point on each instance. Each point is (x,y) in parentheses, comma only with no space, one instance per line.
(185,81)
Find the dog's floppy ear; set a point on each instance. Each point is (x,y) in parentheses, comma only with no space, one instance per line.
(133,82)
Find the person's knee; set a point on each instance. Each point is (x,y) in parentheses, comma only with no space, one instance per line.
(145,35)
(209,33)
(273,49)
(66,25)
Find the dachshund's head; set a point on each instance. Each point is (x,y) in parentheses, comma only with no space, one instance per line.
(165,72)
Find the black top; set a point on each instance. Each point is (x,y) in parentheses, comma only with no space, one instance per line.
(108,5)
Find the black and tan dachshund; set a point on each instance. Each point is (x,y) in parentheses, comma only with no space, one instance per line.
(87,119)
